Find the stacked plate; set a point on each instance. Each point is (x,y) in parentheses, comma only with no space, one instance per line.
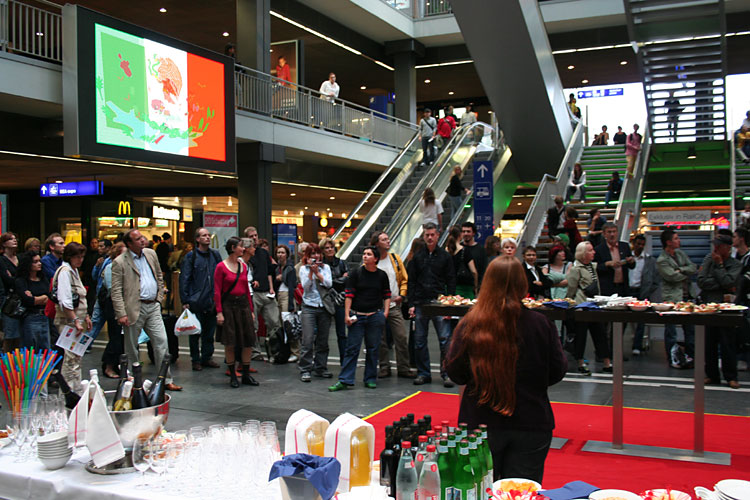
(53,451)
(733,489)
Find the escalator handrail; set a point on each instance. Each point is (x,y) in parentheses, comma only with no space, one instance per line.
(455,218)
(344,251)
(411,204)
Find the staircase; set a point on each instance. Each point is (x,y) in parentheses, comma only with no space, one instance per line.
(682,58)
(740,172)
(598,162)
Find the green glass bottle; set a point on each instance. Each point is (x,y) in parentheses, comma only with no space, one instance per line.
(488,454)
(445,467)
(463,432)
(453,449)
(477,465)
(481,453)
(464,483)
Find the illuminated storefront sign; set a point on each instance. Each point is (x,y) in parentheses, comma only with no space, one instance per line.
(166,213)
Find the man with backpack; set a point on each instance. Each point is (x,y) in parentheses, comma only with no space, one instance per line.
(398,280)
(197,294)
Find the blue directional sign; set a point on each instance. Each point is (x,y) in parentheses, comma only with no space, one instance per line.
(613,92)
(61,189)
(483,195)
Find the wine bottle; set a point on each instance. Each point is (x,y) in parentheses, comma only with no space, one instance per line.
(125,403)
(386,463)
(71,398)
(158,391)
(138,398)
(123,378)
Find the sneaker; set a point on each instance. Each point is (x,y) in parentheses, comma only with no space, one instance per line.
(677,366)
(448,383)
(420,380)
(305,377)
(384,373)
(338,386)
(293,359)
(323,374)
(636,352)
(373,385)
(584,371)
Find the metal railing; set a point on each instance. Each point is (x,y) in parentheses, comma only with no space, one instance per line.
(404,164)
(30,30)
(631,196)
(733,182)
(267,95)
(551,186)
(419,9)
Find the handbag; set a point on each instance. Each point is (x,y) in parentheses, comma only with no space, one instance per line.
(13,306)
(463,275)
(327,297)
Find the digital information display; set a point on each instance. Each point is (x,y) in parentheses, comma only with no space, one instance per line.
(61,189)
(136,95)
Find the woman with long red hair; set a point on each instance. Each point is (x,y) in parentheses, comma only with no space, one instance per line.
(507,356)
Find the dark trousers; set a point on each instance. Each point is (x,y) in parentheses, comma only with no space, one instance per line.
(727,339)
(428,153)
(598,335)
(115,345)
(370,328)
(202,345)
(517,453)
(316,322)
(340,332)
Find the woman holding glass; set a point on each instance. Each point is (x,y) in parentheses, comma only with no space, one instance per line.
(234,317)
(71,309)
(33,289)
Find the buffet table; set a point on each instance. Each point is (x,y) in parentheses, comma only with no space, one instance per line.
(726,319)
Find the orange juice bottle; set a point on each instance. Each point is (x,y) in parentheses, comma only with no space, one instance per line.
(315,436)
(360,465)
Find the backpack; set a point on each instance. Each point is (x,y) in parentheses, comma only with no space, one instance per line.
(279,344)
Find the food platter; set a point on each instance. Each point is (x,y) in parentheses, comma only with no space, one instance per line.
(613,495)
(665,494)
(515,486)
(455,300)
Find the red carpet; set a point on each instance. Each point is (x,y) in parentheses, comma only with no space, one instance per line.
(579,423)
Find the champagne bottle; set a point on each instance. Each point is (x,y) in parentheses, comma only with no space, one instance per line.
(387,469)
(158,391)
(71,398)
(123,378)
(125,403)
(138,398)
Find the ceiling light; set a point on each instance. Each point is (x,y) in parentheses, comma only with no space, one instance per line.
(451,93)
(229,202)
(328,209)
(317,213)
(205,201)
(363,87)
(331,197)
(292,194)
(162,10)
(58,182)
(356,216)
(452,63)
(302,212)
(519,203)
(643,213)
(306,208)
(623,63)
(343,215)
(323,222)
(716,213)
(691,153)
(571,67)
(330,214)
(427,81)
(584,81)
(286,212)
(176,199)
(39,33)
(226,33)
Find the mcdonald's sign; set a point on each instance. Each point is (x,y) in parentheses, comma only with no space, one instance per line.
(123,208)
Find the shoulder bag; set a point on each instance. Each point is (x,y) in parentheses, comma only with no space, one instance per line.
(13,306)
(330,297)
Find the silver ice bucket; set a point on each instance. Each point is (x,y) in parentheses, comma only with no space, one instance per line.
(146,422)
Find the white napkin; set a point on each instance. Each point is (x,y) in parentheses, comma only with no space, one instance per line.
(94,428)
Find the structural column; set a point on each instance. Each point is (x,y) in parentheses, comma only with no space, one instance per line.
(405,53)
(254,34)
(255,162)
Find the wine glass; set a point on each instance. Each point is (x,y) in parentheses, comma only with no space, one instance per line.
(142,459)
(176,464)
(18,426)
(159,460)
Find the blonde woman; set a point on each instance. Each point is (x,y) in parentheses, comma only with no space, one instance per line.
(432,209)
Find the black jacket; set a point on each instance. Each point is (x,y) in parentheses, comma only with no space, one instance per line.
(607,274)
(553,219)
(535,290)
(430,274)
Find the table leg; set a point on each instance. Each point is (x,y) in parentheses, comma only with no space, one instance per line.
(699,402)
(617,389)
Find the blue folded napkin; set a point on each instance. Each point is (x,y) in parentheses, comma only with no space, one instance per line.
(587,305)
(322,472)
(575,489)
(560,305)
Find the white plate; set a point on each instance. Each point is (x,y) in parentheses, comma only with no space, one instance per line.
(734,488)
(497,486)
(662,307)
(619,494)
(661,493)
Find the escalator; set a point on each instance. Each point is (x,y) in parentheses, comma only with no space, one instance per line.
(397,211)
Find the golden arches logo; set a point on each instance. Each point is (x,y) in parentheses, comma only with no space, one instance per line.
(123,208)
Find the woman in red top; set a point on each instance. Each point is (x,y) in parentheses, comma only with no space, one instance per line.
(234,318)
(283,72)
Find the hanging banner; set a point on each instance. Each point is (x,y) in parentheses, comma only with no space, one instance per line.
(483,197)
(222,226)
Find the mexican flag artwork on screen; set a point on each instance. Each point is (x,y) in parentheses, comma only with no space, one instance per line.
(154,97)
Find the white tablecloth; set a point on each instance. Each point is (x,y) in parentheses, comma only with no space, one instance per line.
(31,481)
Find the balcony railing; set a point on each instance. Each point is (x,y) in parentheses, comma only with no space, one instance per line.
(418,9)
(267,95)
(31,30)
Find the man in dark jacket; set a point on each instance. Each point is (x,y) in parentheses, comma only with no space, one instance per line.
(718,277)
(431,274)
(644,284)
(614,260)
(556,217)
(197,294)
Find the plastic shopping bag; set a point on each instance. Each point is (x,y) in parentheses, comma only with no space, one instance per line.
(187,324)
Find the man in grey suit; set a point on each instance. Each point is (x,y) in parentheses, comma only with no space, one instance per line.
(644,283)
(137,288)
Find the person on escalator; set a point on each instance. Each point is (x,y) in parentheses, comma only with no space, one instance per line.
(632,148)
(431,208)
(427,133)
(456,190)
(445,128)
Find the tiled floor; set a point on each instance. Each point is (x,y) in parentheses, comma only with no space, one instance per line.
(207,397)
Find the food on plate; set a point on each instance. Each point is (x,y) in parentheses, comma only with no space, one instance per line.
(684,306)
(663,306)
(664,494)
(727,306)
(4,434)
(520,486)
(455,300)
(710,308)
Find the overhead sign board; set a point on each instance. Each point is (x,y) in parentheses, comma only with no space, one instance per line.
(613,92)
(82,188)
(664,216)
(483,200)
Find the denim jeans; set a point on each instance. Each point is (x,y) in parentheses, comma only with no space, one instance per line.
(421,351)
(205,339)
(340,332)
(316,323)
(456,202)
(640,328)
(428,153)
(11,327)
(371,328)
(35,329)
(670,339)
(97,321)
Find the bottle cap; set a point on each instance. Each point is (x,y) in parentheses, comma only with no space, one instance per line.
(410,417)
(405,444)
(463,425)
(422,438)
(430,434)
(445,423)
(438,429)
(483,426)
(431,448)
(464,443)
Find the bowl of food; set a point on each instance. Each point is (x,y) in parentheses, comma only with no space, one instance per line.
(515,485)
(614,495)
(665,494)
(639,306)
(663,306)
(711,308)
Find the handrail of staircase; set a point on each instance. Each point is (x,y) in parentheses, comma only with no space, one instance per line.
(631,195)
(410,206)
(533,223)
(364,227)
(733,182)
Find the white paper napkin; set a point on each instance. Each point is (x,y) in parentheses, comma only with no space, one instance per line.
(102,438)
(78,420)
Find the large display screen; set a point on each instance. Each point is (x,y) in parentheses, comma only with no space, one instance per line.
(144,97)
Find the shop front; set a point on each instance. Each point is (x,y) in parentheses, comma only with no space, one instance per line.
(116,217)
